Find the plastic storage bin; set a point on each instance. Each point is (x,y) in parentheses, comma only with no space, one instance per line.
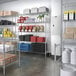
(43,9)
(41,39)
(26,11)
(25,47)
(33,38)
(34,10)
(66,56)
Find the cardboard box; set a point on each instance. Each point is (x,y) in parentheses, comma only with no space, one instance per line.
(74,29)
(1,13)
(69,29)
(9,13)
(74,35)
(68,35)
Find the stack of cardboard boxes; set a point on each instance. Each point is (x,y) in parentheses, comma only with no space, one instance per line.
(8,13)
(70,33)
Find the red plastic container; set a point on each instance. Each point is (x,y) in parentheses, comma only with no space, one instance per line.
(33,38)
(41,39)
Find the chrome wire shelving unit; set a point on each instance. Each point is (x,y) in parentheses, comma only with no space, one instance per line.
(6,41)
(45,33)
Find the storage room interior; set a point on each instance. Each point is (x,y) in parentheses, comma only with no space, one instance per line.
(37,38)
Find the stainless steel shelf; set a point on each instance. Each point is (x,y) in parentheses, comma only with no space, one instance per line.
(34,22)
(30,42)
(69,65)
(34,13)
(31,32)
(32,52)
(69,20)
(8,39)
(8,25)
(9,16)
(69,41)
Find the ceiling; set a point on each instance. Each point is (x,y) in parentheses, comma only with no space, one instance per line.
(5,1)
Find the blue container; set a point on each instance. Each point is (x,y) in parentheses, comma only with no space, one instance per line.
(25,47)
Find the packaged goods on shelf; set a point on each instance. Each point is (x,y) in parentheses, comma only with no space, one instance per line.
(66,15)
(75,14)
(26,11)
(34,29)
(68,35)
(1,13)
(30,20)
(21,19)
(34,10)
(10,13)
(23,28)
(6,22)
(43,9)
(41,28)
(30,28)
(7,33)
(71,15)
(38,28)
(20,28)
(27,28)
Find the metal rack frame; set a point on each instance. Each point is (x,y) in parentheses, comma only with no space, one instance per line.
(66,41)
(39,22)
(8,39)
